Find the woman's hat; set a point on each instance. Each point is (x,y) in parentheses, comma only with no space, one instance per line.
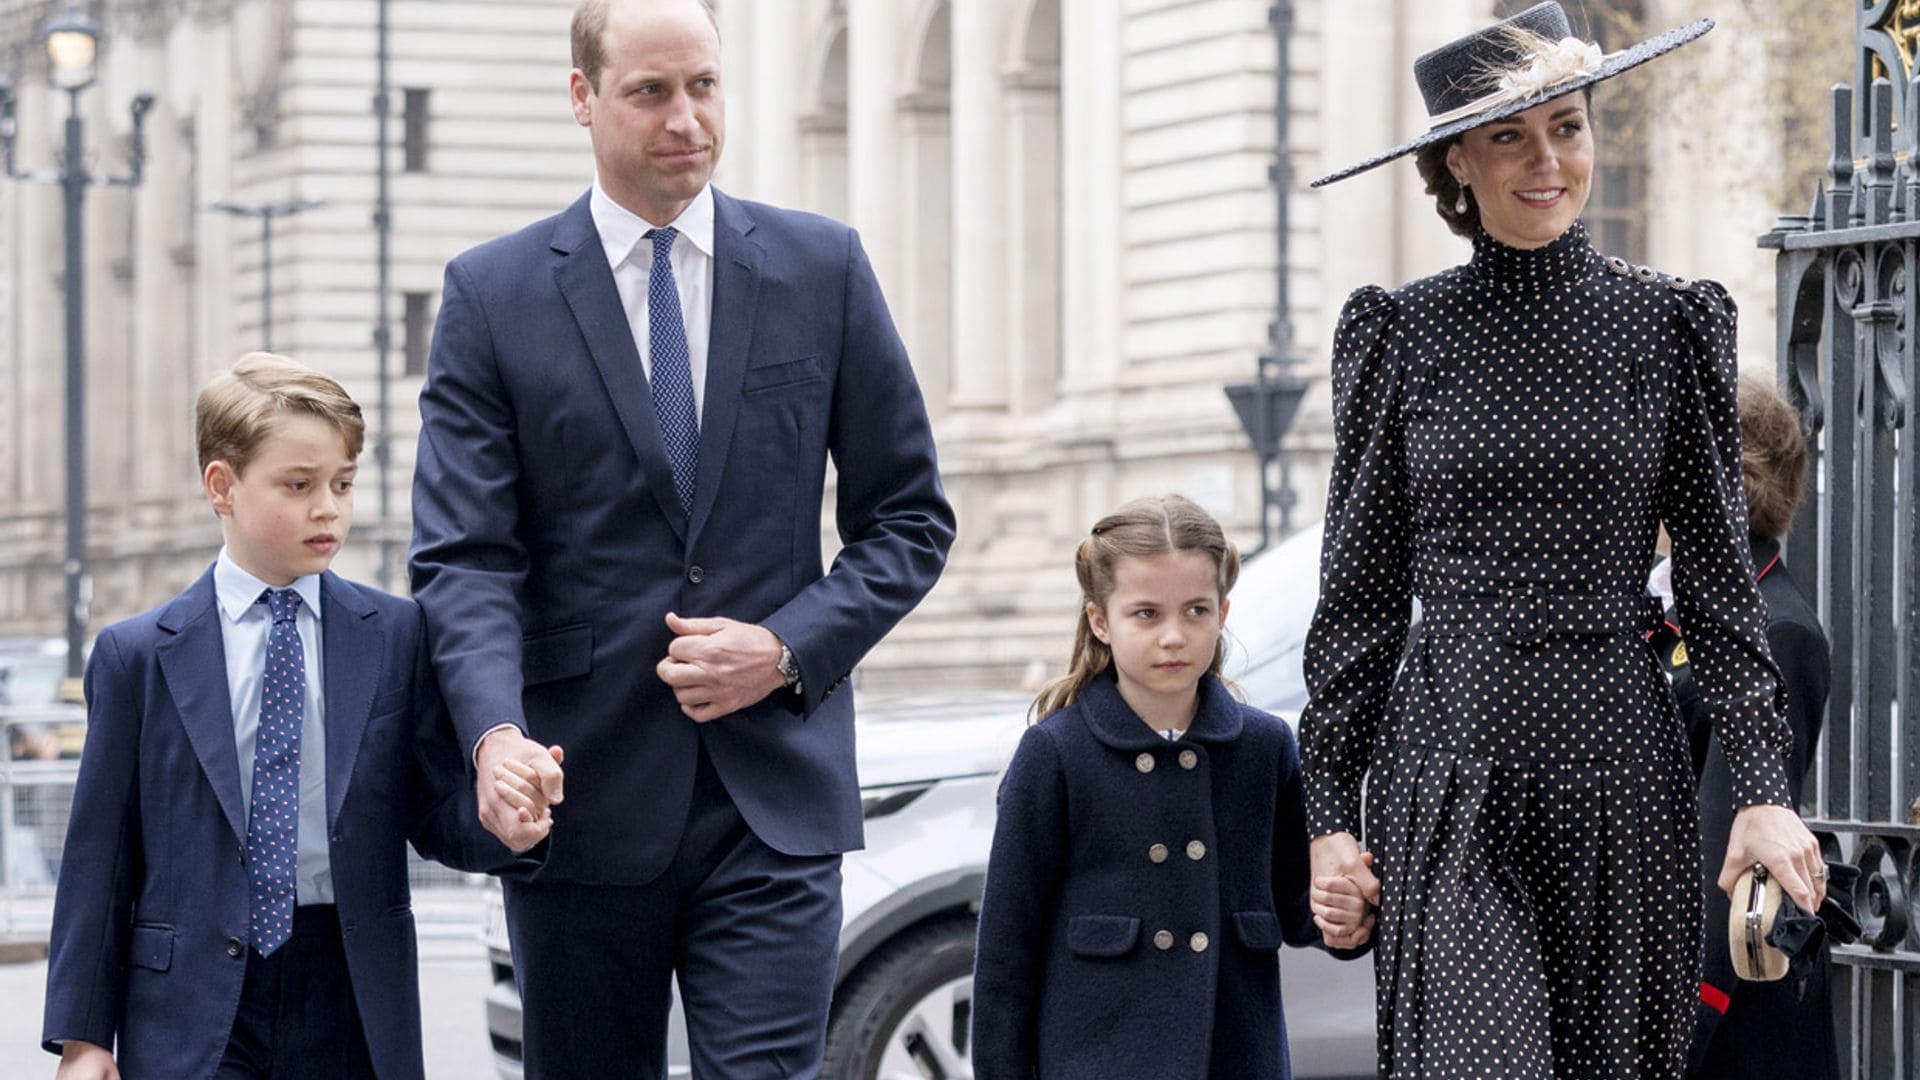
(1510,67)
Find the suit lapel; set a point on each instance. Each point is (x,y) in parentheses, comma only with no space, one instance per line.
(581,272)
(353,655)
(193,660)
(736,291)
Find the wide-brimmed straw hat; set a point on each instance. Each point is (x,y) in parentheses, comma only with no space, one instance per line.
(1510,67)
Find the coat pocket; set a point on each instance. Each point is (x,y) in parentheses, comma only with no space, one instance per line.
(562,653)
(151,947)
(1102,935)
(1257,929)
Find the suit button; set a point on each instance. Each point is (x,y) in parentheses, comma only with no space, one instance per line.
(1198,942)
(1144,762)
(1196,850)
(1157,853)
(1188,759)
(233,946)
(696,575)
(1163,940)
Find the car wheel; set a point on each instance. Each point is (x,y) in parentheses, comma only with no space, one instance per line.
(907,1013)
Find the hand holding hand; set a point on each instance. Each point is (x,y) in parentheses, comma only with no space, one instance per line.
(1345,893)
(1775,837)
(516,784)
(719,666)
(86,1061)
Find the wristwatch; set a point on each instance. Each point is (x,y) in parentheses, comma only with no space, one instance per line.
(789,668)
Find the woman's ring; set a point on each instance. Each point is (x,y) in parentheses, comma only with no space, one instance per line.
(1820,874)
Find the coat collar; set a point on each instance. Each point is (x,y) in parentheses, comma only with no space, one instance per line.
(1113,721)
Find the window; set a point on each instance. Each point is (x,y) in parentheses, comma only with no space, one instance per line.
(419,326)
(414,127)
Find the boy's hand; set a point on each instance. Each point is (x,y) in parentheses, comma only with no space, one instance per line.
(1345,894)
(86,1061)
(509,764)
(719,666)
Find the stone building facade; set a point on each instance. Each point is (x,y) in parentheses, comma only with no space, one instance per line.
(1067,202)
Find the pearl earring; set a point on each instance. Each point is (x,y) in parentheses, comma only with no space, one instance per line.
(1460,203)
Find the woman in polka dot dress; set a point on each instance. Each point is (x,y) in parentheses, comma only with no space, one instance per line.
(1510,435)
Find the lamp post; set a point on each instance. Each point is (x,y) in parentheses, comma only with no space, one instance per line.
(72,41)
(266,212)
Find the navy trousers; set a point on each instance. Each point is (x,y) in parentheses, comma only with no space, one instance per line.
(297,1019)
(752,934)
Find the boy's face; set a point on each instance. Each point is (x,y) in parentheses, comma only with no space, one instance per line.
(288,514)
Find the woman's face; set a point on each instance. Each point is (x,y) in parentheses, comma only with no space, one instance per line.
(1531,172)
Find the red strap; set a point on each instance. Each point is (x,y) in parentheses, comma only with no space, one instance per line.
(1771,563)
(1715,997)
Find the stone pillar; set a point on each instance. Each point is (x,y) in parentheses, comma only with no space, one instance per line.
(982,240)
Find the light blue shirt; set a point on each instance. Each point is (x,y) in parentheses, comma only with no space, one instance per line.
(244,623)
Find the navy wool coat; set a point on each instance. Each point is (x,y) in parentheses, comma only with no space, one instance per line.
(1137,893)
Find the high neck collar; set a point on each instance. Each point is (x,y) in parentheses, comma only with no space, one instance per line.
(1558,265)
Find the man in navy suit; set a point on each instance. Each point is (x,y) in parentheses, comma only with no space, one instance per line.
(627,420)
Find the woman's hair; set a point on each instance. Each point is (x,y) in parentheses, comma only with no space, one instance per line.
(1143,528)
(1431,160)
(1773,457)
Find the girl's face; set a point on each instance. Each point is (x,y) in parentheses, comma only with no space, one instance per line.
(1531,172)
(1163,622)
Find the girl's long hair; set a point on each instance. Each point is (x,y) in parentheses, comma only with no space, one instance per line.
(1143,528)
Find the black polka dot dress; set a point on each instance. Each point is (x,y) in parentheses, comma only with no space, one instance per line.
(1520,427)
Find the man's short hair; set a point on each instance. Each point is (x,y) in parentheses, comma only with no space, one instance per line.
(237,408)
(590,36)
(1773,457)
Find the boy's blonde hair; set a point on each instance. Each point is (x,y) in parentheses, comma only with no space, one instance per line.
(237,408)
(1143,528)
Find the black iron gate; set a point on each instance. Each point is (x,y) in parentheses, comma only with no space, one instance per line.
(1848,314)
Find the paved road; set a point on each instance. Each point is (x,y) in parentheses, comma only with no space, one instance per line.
(453,985)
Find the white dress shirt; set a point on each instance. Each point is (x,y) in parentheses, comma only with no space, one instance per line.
(623,234)
(244,624)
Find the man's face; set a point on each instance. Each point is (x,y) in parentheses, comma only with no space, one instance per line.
(657,117)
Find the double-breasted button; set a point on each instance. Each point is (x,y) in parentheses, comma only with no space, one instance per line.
(696,575)
(234,948)
(1618,265)
(1198,942)
(1188,759)
(1157,853)
(1196,850)
(1144,762)
(1163,940)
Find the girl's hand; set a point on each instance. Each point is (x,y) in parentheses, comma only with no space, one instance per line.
(1343,879)
(1775,837)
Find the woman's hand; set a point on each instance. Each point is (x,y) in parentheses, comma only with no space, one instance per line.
(1775,837)
(1345,893)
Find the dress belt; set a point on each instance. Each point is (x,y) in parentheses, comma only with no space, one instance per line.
(1524,618)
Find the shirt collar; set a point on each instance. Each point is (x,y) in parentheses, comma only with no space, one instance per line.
(238,590)
(621,230)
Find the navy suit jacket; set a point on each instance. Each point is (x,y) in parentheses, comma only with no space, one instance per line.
(149,939)
(549,545)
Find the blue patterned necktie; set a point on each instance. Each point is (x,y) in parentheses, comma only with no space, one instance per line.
(273,815)
(672,378)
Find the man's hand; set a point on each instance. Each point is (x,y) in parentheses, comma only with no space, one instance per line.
(1345,895)
(1775,837)
(516,783)
(86,1061)
(719,666)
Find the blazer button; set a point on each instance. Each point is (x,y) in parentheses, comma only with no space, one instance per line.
(1196,850)
(1157,853)
(1163,940)
(1144,762)
(233,946)
(696,575)
(1188,759)
(1198,942)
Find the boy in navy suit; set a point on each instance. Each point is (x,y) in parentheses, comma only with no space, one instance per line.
(233,900)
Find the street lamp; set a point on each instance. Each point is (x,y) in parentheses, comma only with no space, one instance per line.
(266,212)
(72,41)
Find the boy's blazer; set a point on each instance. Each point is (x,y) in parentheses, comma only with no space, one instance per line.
(150,920)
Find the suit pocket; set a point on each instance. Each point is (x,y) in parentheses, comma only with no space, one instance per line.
(151,947)
(1102,936)
(805,369)
(563,653)
(1257,929)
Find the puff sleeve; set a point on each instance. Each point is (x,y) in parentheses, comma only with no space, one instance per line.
(1705,510)
(1366,576)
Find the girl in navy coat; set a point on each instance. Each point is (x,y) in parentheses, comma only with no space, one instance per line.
(1150,855)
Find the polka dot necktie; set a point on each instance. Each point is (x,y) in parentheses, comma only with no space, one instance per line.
(672,378)
(273,816)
